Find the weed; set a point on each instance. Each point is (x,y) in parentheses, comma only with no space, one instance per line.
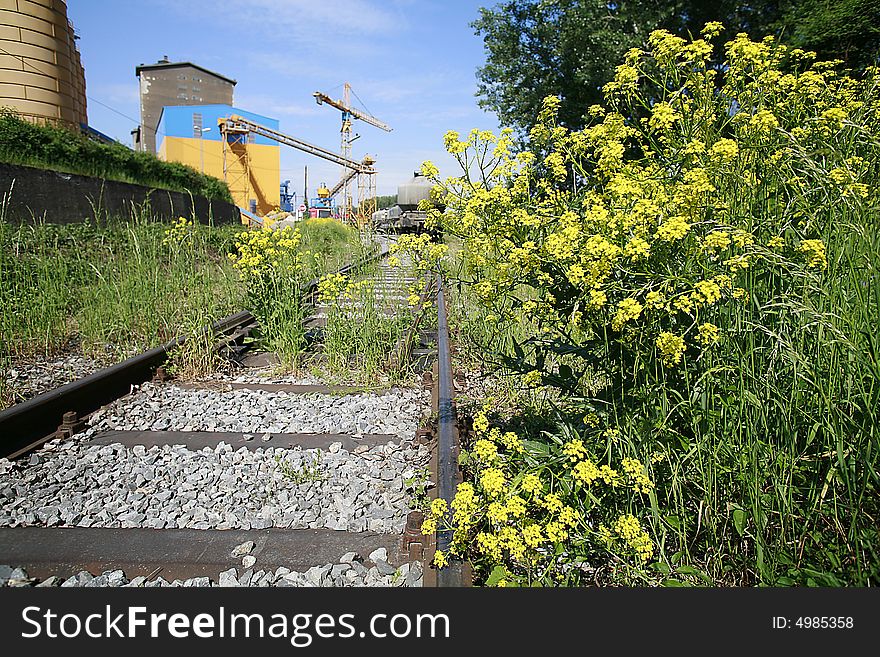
(305,473)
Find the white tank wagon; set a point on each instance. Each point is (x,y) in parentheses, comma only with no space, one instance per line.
(406,216)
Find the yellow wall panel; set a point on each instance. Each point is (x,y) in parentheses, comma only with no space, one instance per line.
(28,78)
(29,22)
(264,164)
(11,90)
(32,107)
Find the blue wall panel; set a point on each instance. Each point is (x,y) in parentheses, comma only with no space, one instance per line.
(177,121)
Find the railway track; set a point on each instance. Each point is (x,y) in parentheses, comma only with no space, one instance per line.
(242,480)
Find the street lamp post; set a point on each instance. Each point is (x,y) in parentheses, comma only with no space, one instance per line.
(202,131)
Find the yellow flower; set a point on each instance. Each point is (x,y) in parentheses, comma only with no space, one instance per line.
(486,450)
(709,334)
(673,229)
(439,507)
(597,299)
(716,240)
(637,248)
(481,423)
(574,449)
(440,560)
(637,475)
(497,513)
(663,116)
(492,480)
(585,472)
(516,506)
(628,309)
(671,348)
(429,526)
(531,483)
(814,250)
(724,150)
(533,536)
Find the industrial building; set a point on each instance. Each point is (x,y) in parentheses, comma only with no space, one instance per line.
(175,83)
(249,163)
(41,75)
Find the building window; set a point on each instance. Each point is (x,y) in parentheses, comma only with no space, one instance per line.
(196,89)
(183,96)
(196,97)
(195,79)
(181,77)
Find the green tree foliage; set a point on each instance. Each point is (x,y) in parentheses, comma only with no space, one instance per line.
(570,48)
(53,147)
(383,202)
(837,29)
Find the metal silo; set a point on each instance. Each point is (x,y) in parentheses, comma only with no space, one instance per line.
(41,75)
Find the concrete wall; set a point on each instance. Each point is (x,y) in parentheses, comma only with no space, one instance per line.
(28,194)
(175,84)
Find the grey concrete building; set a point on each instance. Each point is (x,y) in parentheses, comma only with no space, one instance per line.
(175,83)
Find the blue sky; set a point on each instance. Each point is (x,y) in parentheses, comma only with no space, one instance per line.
(412,62)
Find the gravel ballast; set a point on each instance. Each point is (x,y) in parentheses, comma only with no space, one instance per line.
(169,408)
(214,488)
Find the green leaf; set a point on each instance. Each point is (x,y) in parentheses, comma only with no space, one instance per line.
(498,573)
(674,583)
(739,520)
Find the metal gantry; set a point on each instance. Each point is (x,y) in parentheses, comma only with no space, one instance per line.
(237,125)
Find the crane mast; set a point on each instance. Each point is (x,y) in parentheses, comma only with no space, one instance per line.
(350,113)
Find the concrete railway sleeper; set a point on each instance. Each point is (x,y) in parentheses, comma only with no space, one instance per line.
(252,479)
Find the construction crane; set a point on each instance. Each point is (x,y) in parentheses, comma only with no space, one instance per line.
(242,127)
(350,113)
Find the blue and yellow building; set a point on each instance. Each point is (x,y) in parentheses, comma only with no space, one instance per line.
(250,164)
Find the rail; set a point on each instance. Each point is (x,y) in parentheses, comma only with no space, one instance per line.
(454,574)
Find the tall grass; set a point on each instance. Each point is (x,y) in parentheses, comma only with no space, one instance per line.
(109,290)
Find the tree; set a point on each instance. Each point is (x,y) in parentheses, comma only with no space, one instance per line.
(837,29)
(570,48)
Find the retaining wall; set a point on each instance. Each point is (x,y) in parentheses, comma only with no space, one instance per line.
(31,194)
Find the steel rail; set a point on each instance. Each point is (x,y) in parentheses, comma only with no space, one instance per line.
(31,423)
(451,575)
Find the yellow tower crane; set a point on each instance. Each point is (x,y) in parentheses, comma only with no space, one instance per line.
(366,184)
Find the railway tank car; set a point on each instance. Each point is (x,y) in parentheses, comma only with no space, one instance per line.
(406,216)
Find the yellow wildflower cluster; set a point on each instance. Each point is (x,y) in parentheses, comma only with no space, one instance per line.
(178,232)
(671,348)
(695,191)
(268,251)
(628,528)
(637,475)
(814,251)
